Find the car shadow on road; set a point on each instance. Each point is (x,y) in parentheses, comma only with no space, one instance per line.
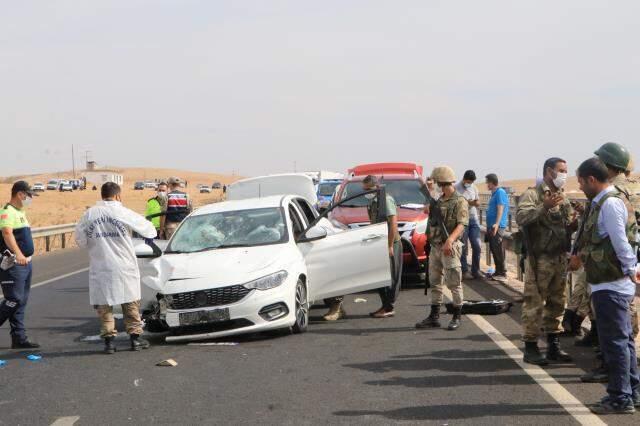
(475,365)
(460,411)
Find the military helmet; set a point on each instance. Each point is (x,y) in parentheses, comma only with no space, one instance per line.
(443,174)
(614,155)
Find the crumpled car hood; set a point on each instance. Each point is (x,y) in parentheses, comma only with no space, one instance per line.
(176,273)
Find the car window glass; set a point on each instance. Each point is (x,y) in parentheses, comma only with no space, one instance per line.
(297,223)
(306,209)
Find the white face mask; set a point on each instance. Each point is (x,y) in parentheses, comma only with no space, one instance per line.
(162,194)
(560,180)
(467,185)
(27,202)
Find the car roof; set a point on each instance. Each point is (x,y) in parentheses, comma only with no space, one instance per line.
(244,204)
(383,178)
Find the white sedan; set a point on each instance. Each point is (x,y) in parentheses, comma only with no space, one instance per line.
(255,264)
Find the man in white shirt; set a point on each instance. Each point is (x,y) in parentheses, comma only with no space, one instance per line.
(114,278)
(612,274)
(471,236)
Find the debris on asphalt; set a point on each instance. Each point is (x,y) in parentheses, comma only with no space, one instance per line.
(34,357)
(167,363)
(136,382)
(360,300)
(214,344)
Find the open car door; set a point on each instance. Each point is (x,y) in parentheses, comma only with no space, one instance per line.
(347,261)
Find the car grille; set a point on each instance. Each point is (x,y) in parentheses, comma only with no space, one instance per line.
(208,298)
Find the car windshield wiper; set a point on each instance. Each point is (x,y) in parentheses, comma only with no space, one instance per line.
(222,246)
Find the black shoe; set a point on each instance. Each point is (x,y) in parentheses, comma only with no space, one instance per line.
(532,354)
(454,324)
(568,320)
(590,339)
(597,375)
(433,320)
(137,343)
(611,406)
(554,352)
(636,399)
(109,346)
(577,325)
(24,344)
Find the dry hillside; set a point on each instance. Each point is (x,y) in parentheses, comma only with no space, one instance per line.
(54,208)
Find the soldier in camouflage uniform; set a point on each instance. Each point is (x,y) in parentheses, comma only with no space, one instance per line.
(546,218)
(446,228)
(619,162)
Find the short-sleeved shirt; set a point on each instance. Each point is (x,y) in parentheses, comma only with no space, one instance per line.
(16,219)
(498,198)
(392,210)
(469,194)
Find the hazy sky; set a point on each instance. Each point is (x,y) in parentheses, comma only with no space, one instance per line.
(256,85)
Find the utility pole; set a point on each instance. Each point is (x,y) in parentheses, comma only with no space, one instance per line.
(73,161)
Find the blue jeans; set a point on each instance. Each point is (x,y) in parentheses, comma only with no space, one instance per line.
(16,285)
(617,342)
(471,235)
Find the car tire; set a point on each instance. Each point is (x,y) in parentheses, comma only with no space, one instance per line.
(301,308)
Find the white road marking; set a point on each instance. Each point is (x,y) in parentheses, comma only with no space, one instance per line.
(561,395)
(61,277)
(66,421)
(58,278)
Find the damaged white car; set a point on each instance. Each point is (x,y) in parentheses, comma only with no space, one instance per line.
(255,264)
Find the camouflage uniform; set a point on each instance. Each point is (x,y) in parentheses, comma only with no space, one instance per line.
(548,241)
(455,211)
(580,300)
(630,188)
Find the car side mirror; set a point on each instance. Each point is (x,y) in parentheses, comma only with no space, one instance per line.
(146,248)
(313,234)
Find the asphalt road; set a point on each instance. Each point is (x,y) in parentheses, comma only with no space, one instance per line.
(355,371)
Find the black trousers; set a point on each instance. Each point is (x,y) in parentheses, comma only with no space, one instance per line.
(496,245)
(388,295)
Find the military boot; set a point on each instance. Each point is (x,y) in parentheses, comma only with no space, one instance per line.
(25,343)
(137,343)
(532,354)
(577,325)
(433,320)
(335,313)
(454,324)
(591,338)
(109,346)
(554,352)
(568,321)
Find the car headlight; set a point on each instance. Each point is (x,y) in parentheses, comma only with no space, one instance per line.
(421,227)
(268,282)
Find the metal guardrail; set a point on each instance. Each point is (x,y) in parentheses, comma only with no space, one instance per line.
(49,232)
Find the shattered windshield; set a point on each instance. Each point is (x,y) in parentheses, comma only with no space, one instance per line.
(240,228)
(403,191)
(326,189)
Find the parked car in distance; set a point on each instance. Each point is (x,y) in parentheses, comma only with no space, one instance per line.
(150,184)
(204,189)
(38,187)
(53,185)
(402,181)
(66,186)
(326,190)
(216,185)
(256,264)
(138,186)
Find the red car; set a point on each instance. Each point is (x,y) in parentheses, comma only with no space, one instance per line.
(402,182)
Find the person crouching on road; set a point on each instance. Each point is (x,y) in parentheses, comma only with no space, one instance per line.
(114,279)
(446,228)
(388,295)
(611,265)
(16,249)
(157,208)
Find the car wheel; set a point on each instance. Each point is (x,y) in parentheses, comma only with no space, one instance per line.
(302,308)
